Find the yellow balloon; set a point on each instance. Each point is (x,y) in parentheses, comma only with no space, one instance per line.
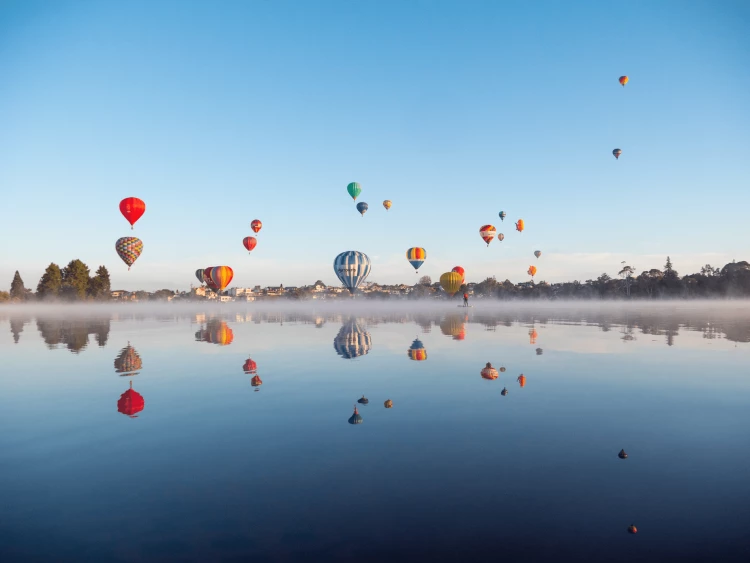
(387,204)
(451,282)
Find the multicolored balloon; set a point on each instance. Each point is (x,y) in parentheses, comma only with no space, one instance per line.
(487,232)
(132,209)
(218,277)
(623,80)
(362,207)
(520,225)
(387,204)
(416,256)
(352,268)
(249,243)
(502,215)
(354,190)
(537,253)
(617,153)
(129,249)
(417,351)
(256,225)
(460,270)
(500,237)
(531,271)
(199,275)
(451,282)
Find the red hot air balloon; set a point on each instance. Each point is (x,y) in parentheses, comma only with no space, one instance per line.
(459,270)
(131,402)
(132,209)
(256,225)
(250,243)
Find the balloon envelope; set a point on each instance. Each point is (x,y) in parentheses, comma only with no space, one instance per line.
(256,225)
(249,243)
(623,80)
(199,275)
(387,204)
(219,276)
(129,249)
(461,271)
(532,271)
(132,209)
(451,282)
(520,225)
(617,153)
(502,215)
(352,268)
(362,207)
(487,232)
(354,190)
(416,256)
(537,253)
(500,237)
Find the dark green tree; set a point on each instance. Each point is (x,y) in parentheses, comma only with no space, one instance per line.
(17,289)
(99,285)
(75,277)
(51,282)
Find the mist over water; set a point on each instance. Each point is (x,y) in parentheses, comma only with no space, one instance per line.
(226,432)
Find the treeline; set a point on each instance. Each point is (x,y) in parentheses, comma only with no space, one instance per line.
(71,283)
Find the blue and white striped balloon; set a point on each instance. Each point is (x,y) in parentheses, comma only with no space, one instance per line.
(352,268)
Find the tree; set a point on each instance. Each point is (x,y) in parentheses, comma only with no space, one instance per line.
(627,275)
(425,280)
(17,289)
(99,285)
(669,272)
(4,296)
(75,278)
(50,283)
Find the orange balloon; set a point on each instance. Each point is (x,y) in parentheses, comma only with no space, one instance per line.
(531,271)
(624,80)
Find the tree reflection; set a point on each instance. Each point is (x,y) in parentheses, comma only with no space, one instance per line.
(73,333)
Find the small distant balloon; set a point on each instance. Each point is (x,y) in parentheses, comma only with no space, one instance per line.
(531,271)
(354,190)
(502,215)
(416,256)
(249,243)
(500,237)
(623,80)
(199,275)
(256,225)
(362,208)
(387,204)
(132,209)
(617,153)
(520,225)
(537,253)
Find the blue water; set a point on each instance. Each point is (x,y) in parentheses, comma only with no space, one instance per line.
(215,469)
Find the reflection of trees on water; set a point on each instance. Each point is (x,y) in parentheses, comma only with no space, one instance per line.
(16,326)
(73,333)
(352,340)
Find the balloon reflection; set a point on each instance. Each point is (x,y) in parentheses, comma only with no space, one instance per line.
(488,372)
(454,326)
(128,362)
(356,418)
(417,351)
(352,340)
(131,402)
(216,332)
(539,351)
(533,336)
(521,380)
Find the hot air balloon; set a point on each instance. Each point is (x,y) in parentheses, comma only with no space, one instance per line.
(250,243)
(537,253)
(451,282)
(354,190)
(352,340)
(623,80)
(488,372)
(417,351)
(218,277)
(132,209)
(256,225)
(502,215)
(131,402)
(460,270)
(199,275)
(487,232)
(500,237)
(622,455)
(416,256)
(129,249)
(617,153)
(519,225)
(352,268)
(531,271)
(362,208)
(632,529)
(521,380)
(387,204)
(388,404)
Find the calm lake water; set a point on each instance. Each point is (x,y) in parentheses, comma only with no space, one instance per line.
(235,441)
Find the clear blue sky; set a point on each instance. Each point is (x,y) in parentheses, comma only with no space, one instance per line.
(216,113)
